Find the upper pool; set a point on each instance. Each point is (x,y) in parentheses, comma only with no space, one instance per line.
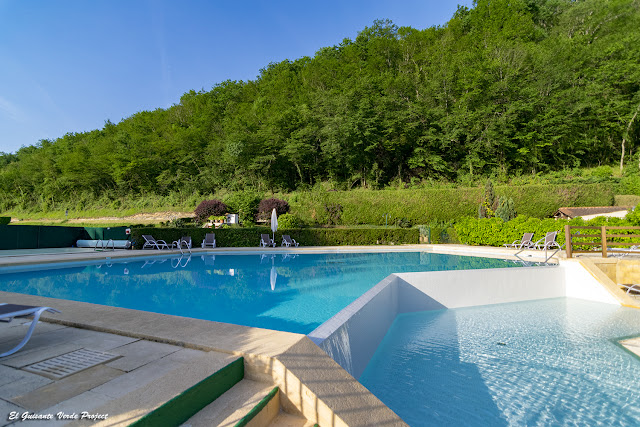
(286,292)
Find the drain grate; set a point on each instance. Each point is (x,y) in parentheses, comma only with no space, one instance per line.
(70,363)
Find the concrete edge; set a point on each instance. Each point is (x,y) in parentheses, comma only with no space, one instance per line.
(612,288)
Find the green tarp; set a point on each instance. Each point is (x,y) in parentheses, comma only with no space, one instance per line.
(41,236)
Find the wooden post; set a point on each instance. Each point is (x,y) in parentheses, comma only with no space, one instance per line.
(603,236)
(567,240)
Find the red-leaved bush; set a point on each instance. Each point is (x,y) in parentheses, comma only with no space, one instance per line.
(266,206)
(208,208)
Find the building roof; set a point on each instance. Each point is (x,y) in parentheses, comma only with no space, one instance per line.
(568,212)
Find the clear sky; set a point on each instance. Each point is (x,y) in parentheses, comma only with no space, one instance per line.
(69,65)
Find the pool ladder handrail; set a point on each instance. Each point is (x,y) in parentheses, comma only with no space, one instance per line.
(104,246)
(180,242)
(179,263)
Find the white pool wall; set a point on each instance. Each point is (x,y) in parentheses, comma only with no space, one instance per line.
(352,336)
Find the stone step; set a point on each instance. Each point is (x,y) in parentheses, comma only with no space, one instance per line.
(232,406)
(288,420)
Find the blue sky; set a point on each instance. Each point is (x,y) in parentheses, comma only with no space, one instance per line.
(69,65)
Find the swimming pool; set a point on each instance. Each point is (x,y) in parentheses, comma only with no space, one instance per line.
(548,362)
(287,292)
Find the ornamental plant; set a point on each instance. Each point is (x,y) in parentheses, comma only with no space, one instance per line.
(267,205)
(208,208)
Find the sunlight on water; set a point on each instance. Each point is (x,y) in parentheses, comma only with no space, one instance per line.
(287,292)
(552,362)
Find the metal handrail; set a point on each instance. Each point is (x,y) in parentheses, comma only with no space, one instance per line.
(104,246)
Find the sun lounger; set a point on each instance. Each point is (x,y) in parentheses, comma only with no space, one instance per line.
(288,241)
(525,242)
(151,243)
(265,241)
(633,289)
(9,311)
(548,242)
(209,240)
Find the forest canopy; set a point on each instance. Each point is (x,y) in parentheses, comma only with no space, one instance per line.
(506,87)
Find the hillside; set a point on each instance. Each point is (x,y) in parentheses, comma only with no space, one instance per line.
(506,89)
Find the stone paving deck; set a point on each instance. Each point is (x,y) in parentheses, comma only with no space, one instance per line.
(145,375)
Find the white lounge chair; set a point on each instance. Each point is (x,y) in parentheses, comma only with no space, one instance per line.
(288,241)
(525,242)
(209,240)
(265,241)
(9,311)
(151,243)
(548,242)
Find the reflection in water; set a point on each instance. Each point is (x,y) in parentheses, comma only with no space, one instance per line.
(289,292)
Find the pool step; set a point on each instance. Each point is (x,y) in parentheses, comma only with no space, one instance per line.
(248,403)
(185,405)
(288,420)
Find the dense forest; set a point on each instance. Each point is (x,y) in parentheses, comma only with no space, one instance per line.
(508,87)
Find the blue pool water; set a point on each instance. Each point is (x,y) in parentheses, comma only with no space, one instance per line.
(287,292)
(551,362)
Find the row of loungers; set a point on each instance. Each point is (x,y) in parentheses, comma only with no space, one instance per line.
(209,242)
(547,242)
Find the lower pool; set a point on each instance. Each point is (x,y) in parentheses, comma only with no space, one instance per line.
(549,362)
(287,292)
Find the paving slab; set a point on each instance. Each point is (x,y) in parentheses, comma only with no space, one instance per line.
(146,374)
(16,382)
(132,406)
(17,329)
(66,388)
(5,409)
(139,353)
(85,402)
(287,420)
(229,408)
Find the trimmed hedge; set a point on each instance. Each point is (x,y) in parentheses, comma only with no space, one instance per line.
(496,232)
(250,237)
(424,206)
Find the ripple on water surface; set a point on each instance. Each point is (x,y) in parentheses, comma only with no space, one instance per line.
(552,362)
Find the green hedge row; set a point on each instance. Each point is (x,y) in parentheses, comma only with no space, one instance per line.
(424,206)
(250,236)
(495,232)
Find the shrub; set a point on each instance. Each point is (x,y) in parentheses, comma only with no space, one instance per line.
(289,221)
(5,220)
(250,236)
(208,208)
(496,232)
(245,204)
(267,205)
(506,210)
(404,223)
(334,213)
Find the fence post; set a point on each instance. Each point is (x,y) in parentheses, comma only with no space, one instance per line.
(603,236)
(567,240)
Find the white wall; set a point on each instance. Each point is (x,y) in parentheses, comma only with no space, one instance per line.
(352,336)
